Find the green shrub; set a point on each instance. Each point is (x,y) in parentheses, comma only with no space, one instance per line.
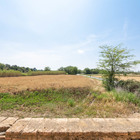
(125,96)
(130,86)
(71,102)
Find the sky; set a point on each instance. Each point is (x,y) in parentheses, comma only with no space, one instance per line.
(55,33)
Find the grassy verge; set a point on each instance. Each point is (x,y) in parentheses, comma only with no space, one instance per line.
(73,102)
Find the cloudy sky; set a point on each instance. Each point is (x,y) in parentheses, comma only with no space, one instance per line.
(55,33)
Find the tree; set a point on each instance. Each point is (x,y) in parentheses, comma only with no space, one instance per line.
(71,70)
(61,69)
(87,71)
(114,60)
(47,69)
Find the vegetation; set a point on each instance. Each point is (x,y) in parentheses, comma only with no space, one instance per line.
(13,73)
(10,73)
(114,59)
(91,71)
(33,83)
(16,68)
(130,86)
(71,70)
(47,69)
(68,102)
(34,73)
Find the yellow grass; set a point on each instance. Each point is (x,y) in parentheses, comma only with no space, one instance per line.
(128,77)
(19,84)
(137,78)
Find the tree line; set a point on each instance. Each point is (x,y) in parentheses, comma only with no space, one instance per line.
(16,68)
(68,69)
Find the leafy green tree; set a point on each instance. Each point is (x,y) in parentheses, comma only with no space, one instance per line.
(61,69)
(79,71)
(87,71)
(71,70)
(2,66)
(113,60)
(47,69)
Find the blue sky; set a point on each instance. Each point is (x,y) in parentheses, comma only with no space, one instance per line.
(55,33)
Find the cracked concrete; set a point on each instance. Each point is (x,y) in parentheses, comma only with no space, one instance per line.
(70,128)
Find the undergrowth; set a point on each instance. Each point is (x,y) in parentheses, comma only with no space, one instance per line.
(73,102)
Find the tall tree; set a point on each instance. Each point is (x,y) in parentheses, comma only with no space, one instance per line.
(113,60)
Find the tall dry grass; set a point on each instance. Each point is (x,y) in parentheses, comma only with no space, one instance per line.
(13,73)
(10,73)
(34,73)
(32,83)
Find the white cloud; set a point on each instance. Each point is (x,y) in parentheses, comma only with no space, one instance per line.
(80,51)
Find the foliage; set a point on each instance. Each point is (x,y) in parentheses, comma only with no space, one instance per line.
(13,73)
(47,69)
(71,70)
(16,68)
(69,102)
(61,69)
(10,73)
(34,73)
(114,59)
(130,86)
(87,71)
(66,97)
(128,97)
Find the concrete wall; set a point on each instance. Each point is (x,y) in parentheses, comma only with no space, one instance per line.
(75,129)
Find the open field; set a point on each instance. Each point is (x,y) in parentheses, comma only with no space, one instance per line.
(33,83)
(63,96)
(121,77)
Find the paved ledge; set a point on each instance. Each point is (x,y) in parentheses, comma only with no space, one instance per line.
(75,129)
(6,123)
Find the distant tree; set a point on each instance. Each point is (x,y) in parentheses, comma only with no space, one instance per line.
(71,70)
(87,71)
(113,60)
(7,67)
(2,66)
(61,69)
(79,71)
(47,69)
(95,71)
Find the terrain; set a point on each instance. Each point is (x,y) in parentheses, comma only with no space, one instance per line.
(56,96)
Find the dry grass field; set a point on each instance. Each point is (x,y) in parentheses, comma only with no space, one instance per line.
(35,83)
(121,77)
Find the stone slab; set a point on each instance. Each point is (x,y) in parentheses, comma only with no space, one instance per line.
(6,123)
(74,128)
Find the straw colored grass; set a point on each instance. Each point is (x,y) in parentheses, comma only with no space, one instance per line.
(121,77)
(35,83)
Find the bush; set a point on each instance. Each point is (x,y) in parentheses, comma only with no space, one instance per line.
(130,86)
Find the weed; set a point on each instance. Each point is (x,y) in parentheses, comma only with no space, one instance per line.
(71,102)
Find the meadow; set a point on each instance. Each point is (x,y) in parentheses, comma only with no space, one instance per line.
(63,96)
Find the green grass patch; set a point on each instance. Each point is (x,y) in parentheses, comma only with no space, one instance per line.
(72,102)
(128,97)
